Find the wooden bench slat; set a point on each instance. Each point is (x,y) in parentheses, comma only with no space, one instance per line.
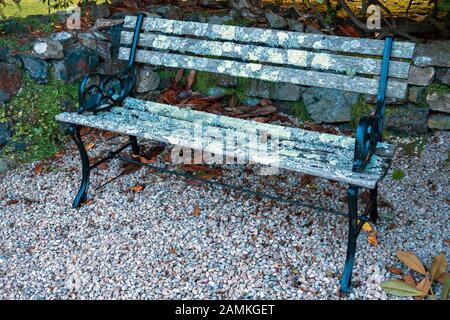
(254,53)
(283,133)
(395,89)
(275,38)
(306,152)
(160,132)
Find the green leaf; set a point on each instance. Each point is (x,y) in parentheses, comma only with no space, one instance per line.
(445,289)
(438,267)
(399,288)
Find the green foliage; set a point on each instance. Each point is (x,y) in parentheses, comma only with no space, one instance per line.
(439,88)
(32,114)
(397,174)
(299,110)
(360,109)
(238,21)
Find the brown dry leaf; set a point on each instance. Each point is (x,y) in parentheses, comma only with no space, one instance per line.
(88,203)
(211,173)
(395,270)
(348,30)
(306,180)
(143,159)
(409,279)
(190,79)
(411,261)
(137,188)
(103,166)
(59,154)
(90,146)
(169,97)
(12,201)
(197,211)
(424,286)
(443,277)
(129,168)
(173,250)
(39,167)
(438,267)
(178,77)
(372,238)
(130,4)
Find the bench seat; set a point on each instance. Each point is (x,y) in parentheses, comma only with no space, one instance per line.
(319,154)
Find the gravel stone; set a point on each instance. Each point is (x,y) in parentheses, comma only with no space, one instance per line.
(151,245)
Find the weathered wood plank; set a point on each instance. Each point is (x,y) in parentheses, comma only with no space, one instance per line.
(395,89)
(156,131)
(253,53)
(320,140)
(305,151)
(275,38)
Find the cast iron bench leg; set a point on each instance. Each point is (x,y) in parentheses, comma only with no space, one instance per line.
(373,213)
(74,132)
(352,194)
(136,149)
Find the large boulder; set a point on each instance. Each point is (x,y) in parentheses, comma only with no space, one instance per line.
(275,21)
(5,133)
(439,102)
(36,68)
(443,75)
(329,105)
(63,37)
(407,119)
(440,121)
(271,90)
(100,11)
(78,61)
(218,4)
(421,76)
(147,80)
(10,78)
(45,48)
(433,53)
(416,94)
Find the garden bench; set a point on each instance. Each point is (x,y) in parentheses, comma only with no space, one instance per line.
(365,66)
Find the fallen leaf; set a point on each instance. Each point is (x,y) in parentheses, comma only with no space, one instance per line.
(38,168)
(395,270)
(306,180)
(137,188)
(197,211)
(367,227)
(90,146)
(88,203)
(445,289)
(348,30)
(443,277)
(411,261)
(372,238)
(178,77)
(190,79)
(59,154)
(130,4)
(173,250)
(400,288)
(438,267)
(12,201)
(409,279)
(424,286)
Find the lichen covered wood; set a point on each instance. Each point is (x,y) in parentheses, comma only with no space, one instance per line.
(319,154)
(275,38)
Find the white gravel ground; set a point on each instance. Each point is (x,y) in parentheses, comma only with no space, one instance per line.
(151,245)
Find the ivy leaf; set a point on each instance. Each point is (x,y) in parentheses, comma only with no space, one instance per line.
(438,267)
(411,261)
(445,289)
(401,289)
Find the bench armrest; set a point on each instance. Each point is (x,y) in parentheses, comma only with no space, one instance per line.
(98,92)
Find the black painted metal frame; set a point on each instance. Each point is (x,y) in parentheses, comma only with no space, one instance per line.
(100,93)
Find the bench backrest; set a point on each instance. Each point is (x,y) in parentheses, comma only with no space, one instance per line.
(343,63)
